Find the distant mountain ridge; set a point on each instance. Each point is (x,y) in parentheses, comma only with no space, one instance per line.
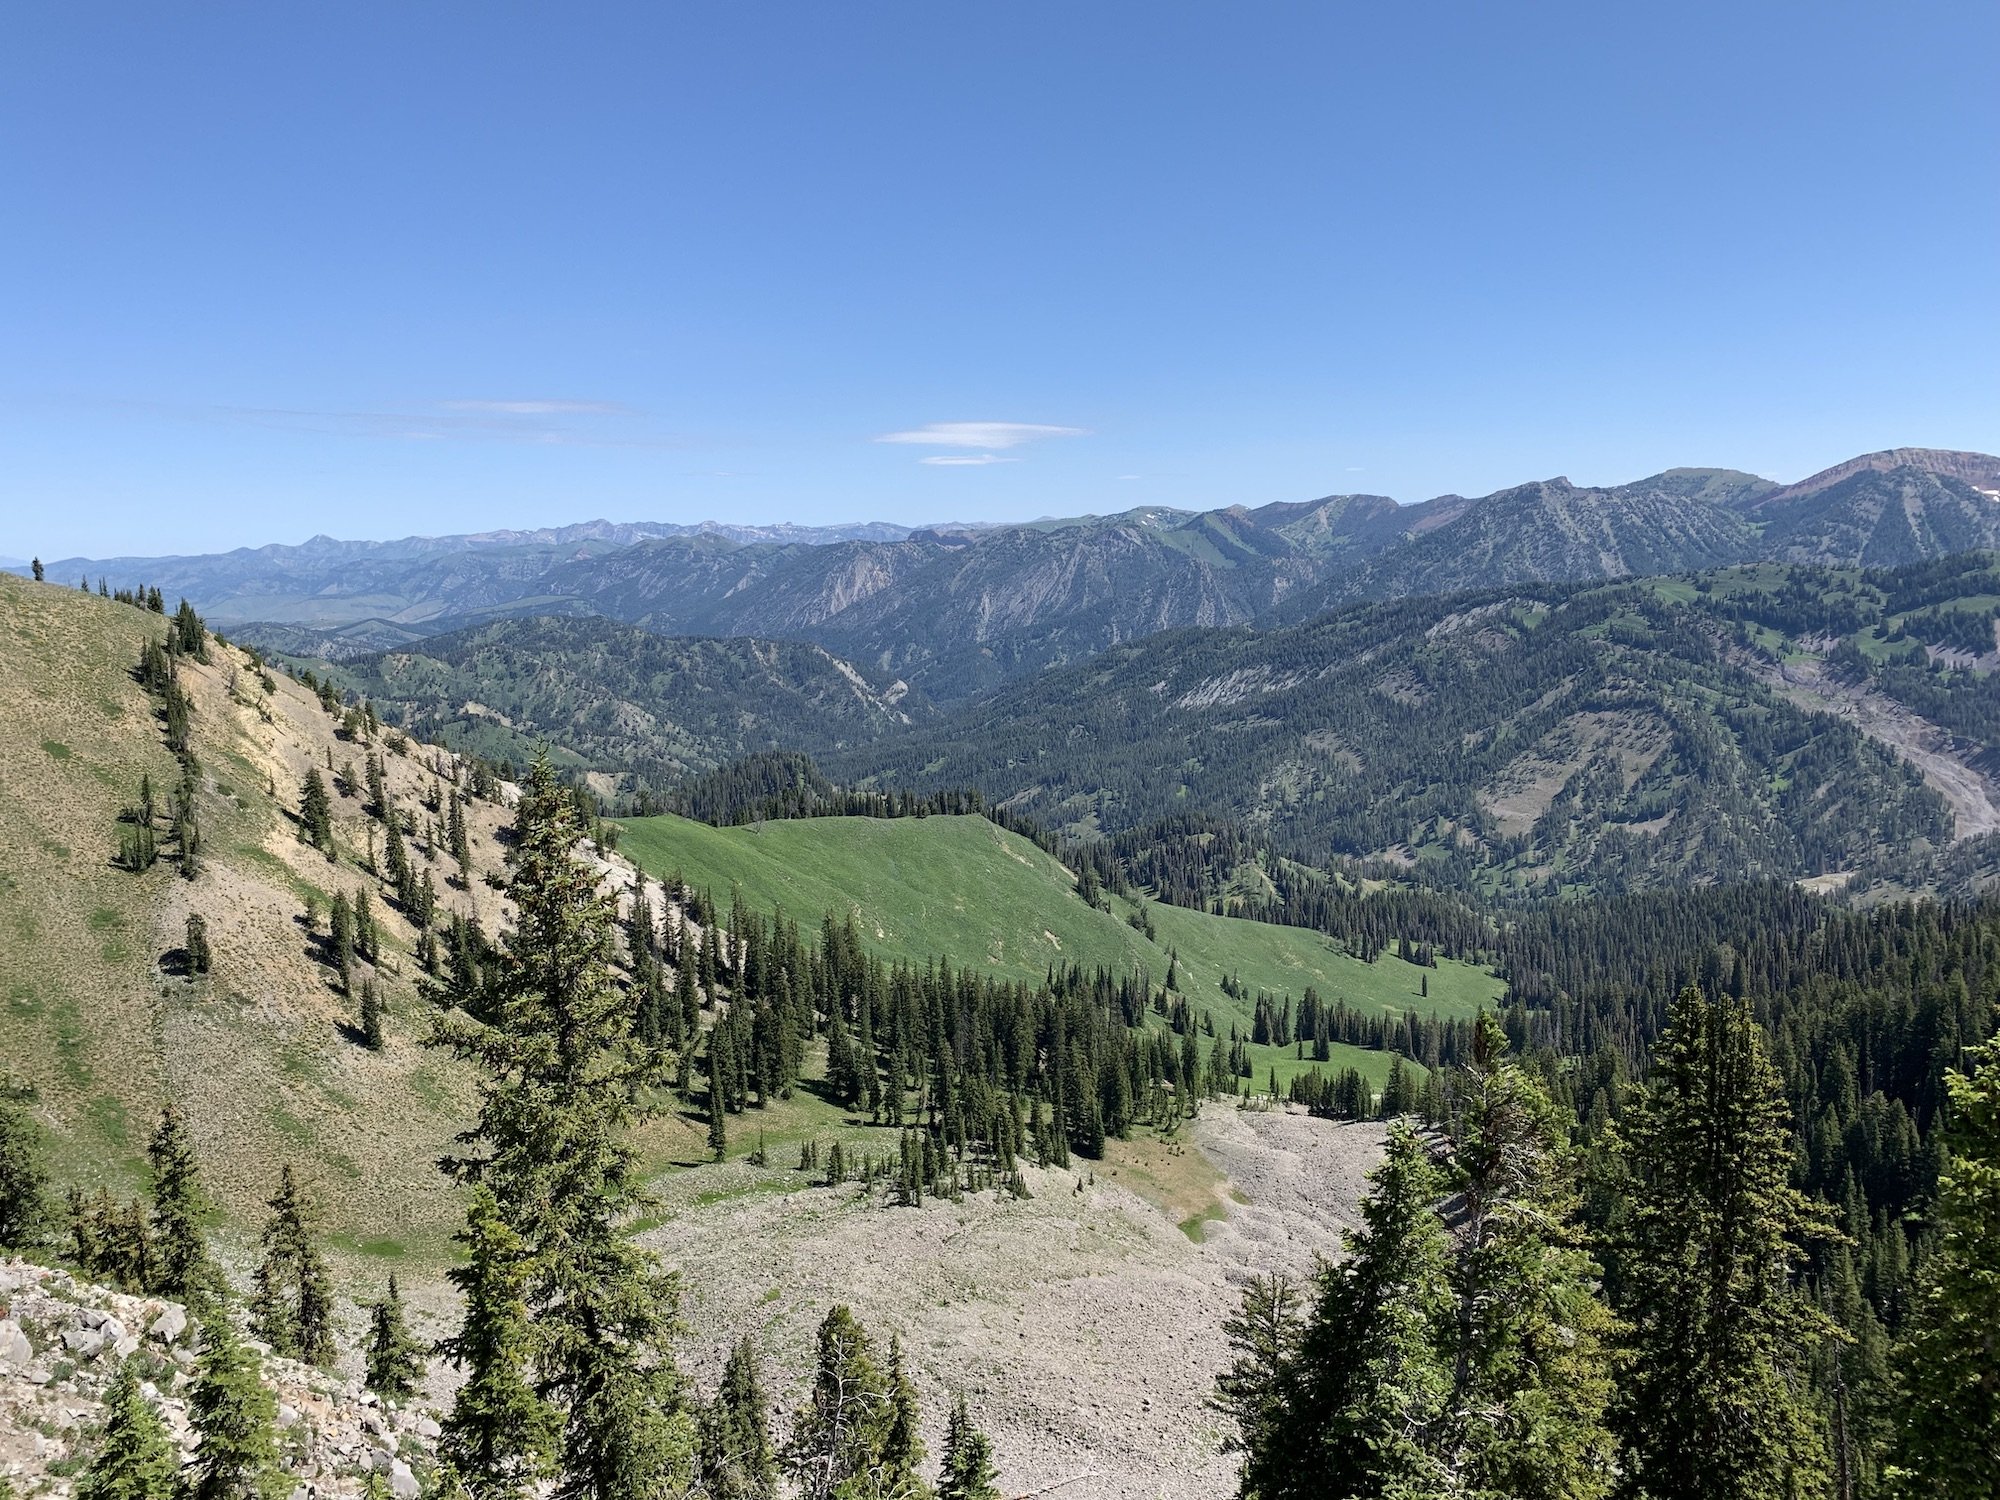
(957,609)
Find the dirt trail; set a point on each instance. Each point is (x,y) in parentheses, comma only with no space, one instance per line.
(1915,738)
(1083,1326)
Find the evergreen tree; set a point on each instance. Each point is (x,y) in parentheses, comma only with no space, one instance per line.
(500,1435)
(371,1015)
(293,1307)
(968,1460)
(23,1188)
(902,1445)
(837,1439)
(394,1358)
(235,1414)
(199,958)
(1713,1406)
(563,1072)
(1263,1333)
(316,814)
(134,1460)
(736,1461)
(35,566)
(1531,1365)
(1947,1442)
(1364,1395)
(718,1124)
(182,1267)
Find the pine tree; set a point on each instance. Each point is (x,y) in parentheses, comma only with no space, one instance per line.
(235,1414)
(1263,1333)
(1364,1394)
(293,1308)
(500,1435)
(394,1358)
(718,1124)
(1531,1363)
(837,1437)
(182,1267)
(736,1461)
(1712,1406)
(23,1188)
(35,566)
(371,1015)
(316,814)
(1948,1418)
(134,1460)
(563,1072)
(902,1445)
(199,958)
(968,1460)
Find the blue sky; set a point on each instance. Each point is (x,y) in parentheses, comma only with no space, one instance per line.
(272,270)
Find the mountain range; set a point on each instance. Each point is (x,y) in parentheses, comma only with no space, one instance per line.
(956,610)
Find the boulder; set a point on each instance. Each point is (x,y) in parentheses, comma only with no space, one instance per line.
(168,1326)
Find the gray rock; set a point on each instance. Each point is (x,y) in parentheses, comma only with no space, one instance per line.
(14,1346)
(402,1483)
(168,1327)
(426,1428)
(288,1415)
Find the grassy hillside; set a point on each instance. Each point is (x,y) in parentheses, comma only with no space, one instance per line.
(97,1019)
(961,887)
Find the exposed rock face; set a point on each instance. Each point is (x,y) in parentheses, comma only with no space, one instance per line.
(62,1340)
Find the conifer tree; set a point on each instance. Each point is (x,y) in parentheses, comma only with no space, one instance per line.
(563,1072)
(182,1267)
(968,1460)
(1263,1333)
(1948,1419)
(837,1438)
(23,1188)
(1712,1406)
(340,939)
(134,1460)
(293,1307)
(316,814)
(902,1445)
(718,1124)
(235,1414)
(1531,1364)
(371,1015)
(394,1358)
(35,566)
(199,958)
(500,1435)
(1362,1397)
(736,1461)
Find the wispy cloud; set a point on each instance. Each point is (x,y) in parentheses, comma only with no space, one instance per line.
(542,408)
(988,435)
(547,423)
(965,460)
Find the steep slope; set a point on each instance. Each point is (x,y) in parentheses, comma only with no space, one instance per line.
(98,1017)
(1884,510)
(604,695)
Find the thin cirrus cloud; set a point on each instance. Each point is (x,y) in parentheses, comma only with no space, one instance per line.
(965,460)
(990,436)
(541,408)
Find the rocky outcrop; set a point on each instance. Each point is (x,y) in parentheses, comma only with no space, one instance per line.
(62,1340)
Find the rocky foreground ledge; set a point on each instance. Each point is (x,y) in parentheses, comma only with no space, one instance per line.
(62,1340)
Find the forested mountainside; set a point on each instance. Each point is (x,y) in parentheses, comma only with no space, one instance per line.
(644,711)
(1558,739)
(954,611)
